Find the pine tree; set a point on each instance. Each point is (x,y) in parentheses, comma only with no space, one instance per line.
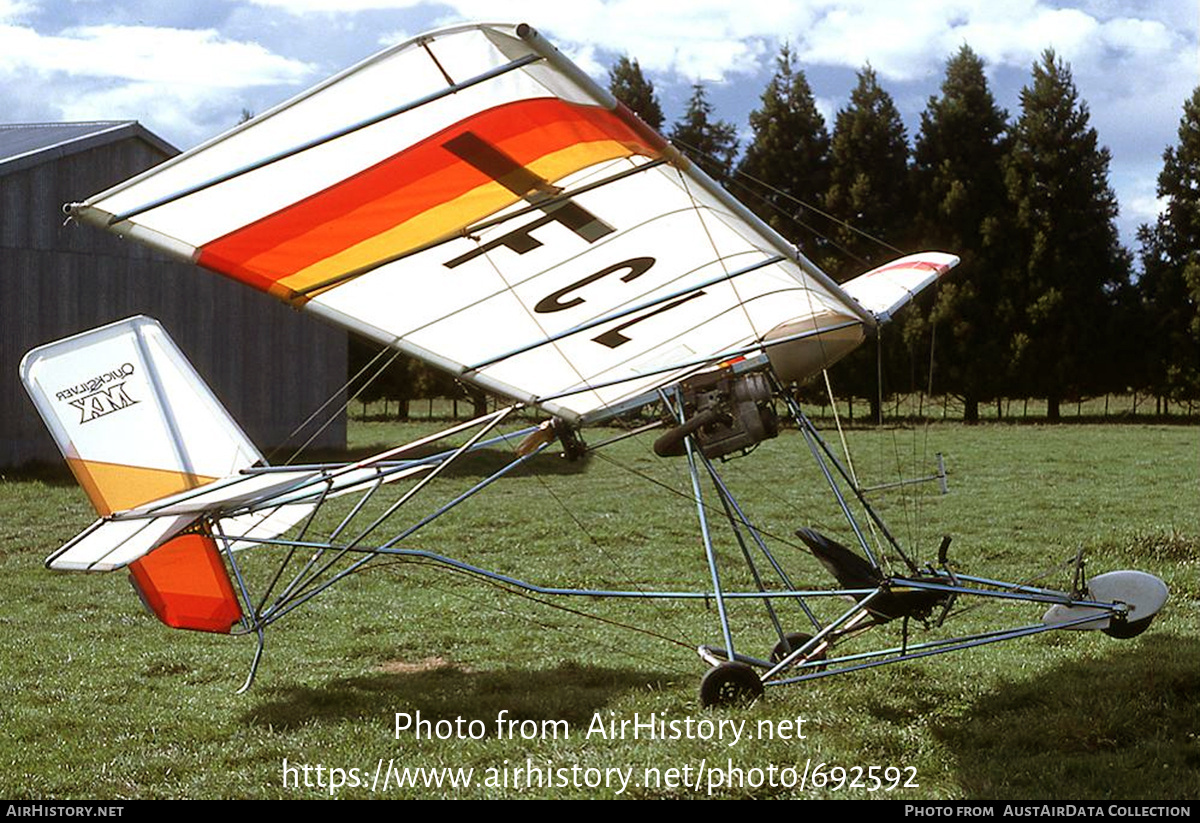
(1071,261)
(869,191)
(711,145)
(1170,282)
(958,178)
(786,168)
(630,86)
(869,185)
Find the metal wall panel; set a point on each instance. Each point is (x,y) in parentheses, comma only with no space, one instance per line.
(271,366)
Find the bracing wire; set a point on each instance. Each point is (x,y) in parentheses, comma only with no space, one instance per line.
(739,179)
(345,405)
(596,544)
(534,598)
(562,504)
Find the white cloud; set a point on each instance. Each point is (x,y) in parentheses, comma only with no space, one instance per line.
(11,10)
(903,40)
(170,57)
(336,6)
(1141,204)
(183,57)
(709,40)
(169,112)
(182,83)
(193,70)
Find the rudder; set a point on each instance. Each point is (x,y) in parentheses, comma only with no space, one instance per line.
(131,416)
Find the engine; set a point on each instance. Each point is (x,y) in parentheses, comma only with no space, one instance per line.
(725,413)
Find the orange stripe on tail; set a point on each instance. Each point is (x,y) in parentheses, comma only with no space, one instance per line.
(113,487)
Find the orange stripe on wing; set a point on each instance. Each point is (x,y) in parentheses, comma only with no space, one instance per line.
(379,201)
(444,220)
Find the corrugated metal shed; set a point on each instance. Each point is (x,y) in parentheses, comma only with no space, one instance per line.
(271,366)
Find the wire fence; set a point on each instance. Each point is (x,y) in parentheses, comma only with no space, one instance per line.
(857,411)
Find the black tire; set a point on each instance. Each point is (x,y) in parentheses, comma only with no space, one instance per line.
(794,641)
(1125,629)
(730,684)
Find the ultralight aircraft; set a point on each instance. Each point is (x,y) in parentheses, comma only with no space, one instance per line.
(473,199)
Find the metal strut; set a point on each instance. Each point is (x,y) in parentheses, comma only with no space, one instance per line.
(709,551)
(824,457)
(807,659)
(738,521)
(250,617)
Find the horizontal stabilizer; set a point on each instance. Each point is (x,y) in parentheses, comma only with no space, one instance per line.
(113,544)
(245,508)
(884,290)
(110,544)
(270,489)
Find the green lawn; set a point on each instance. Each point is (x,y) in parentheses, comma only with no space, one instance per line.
(100,701)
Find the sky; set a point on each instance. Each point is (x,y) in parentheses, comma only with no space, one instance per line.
(187,71)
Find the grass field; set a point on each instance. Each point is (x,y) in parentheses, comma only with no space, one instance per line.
(100,701)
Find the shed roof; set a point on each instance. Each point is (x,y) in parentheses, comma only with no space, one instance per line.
(27,144)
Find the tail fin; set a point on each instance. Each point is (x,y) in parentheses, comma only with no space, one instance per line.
(131,416)
(136,423)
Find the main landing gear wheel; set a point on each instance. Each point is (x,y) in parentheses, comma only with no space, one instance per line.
(790,643)
(730,684)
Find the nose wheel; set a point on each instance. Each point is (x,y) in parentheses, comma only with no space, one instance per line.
(1142,594)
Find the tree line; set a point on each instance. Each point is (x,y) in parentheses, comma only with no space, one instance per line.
(1046,303)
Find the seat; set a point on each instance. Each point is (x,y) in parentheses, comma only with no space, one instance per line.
(852,571)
